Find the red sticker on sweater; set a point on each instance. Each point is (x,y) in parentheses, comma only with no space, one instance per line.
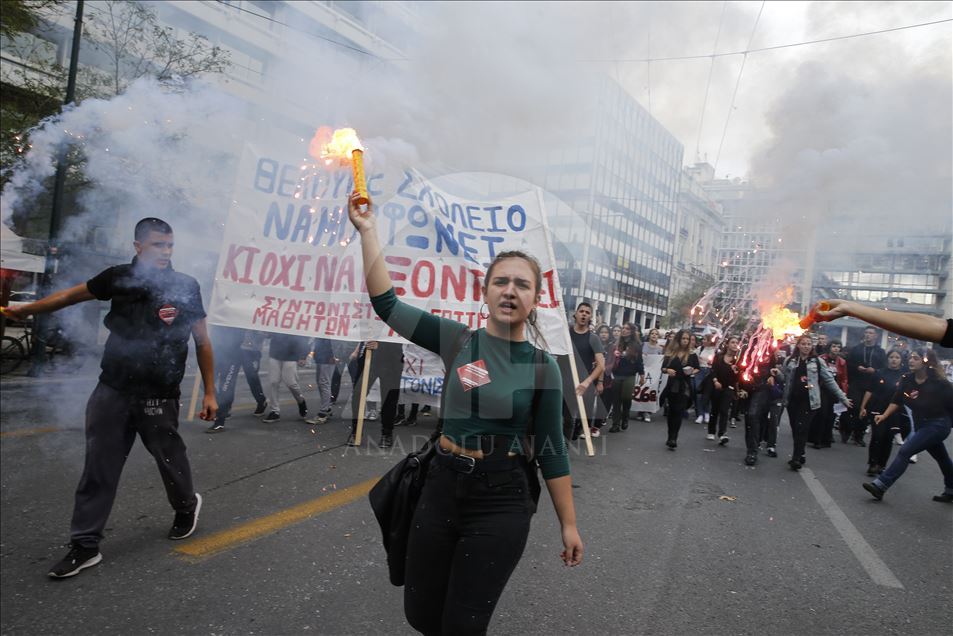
(167,314)
(473,375)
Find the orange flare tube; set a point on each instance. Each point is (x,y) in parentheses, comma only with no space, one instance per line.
(811,318)
(360,179)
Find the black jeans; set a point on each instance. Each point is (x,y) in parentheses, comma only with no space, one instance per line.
(722,402)
(112,421)
(677,406)
(822,428)
(800,416)
(881,438)
(467,536)
(851,425)
(756,420)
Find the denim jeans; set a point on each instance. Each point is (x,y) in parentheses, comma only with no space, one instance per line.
(928,437)
(468,535)
(702,399)
(756,421)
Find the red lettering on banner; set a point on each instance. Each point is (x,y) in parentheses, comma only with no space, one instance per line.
(550,290)
(416,279)
(398,276)
(459,283)
(267,273)
(284,275)
(230,272)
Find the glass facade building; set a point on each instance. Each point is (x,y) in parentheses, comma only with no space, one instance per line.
(614,248)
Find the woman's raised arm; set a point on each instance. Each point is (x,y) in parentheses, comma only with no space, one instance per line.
(375,272)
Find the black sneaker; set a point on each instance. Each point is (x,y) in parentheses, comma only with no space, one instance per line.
(303,408)
(772,452)
(260,409)
(271,417)
(875,490)
(387,441)
(216,427)
(751,458)
(723,440)
(350,440)
(425,409)
(944,498)
(78,558)
(672,444)
(794,464)
(184,524)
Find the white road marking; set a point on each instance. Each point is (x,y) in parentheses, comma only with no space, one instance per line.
(875,567)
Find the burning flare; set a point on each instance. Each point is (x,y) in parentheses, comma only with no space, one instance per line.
(344,145)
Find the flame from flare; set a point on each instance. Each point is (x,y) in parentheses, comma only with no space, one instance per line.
(782,322)
(338,144)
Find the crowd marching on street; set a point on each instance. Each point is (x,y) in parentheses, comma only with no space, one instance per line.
(508,409)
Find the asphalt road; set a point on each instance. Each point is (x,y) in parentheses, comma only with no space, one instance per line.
(686,542)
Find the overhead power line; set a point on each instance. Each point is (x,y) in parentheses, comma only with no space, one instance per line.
(769,48)
(731,106)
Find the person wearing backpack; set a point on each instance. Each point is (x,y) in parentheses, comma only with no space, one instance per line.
(473,516)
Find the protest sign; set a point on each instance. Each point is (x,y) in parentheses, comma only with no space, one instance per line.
(291,262)
(645,398)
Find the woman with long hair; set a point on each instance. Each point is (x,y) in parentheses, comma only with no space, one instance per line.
(680,365)
(929,396)
(627,367)
(604,399)
(724,373)
(876,400)
(804,378)
(473,517)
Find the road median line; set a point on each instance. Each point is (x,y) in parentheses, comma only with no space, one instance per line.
(206,546)
(26,432)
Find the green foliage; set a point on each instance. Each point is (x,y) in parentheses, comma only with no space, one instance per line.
(130,42)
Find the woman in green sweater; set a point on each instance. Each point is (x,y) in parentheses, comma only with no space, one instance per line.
(473,518)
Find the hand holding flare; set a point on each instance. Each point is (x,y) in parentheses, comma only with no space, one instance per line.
(813,317)
(346,147)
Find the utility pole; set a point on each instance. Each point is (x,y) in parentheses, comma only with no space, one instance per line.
(41,321)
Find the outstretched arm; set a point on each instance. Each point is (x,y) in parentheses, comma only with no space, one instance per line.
(375,272)
(53,302)
(912,325)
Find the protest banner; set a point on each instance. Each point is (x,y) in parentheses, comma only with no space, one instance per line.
(645,398)
(291,263)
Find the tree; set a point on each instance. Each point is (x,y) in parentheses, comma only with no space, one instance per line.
(131,43)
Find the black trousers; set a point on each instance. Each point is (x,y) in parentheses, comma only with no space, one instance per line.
(851,425)
(822,428)
(758,426)
(722,402)
(390,394)
(677,406)
(112,421)
(881,438)
(572,421)
(226,376)
(800,417)
(467,536)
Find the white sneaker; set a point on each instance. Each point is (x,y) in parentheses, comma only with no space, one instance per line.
(913,459)
(706,418)
(699,419)
(371,415)
(897,439)
(594,432)
(710,436)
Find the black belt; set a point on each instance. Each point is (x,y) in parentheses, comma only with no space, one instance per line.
(467,465)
